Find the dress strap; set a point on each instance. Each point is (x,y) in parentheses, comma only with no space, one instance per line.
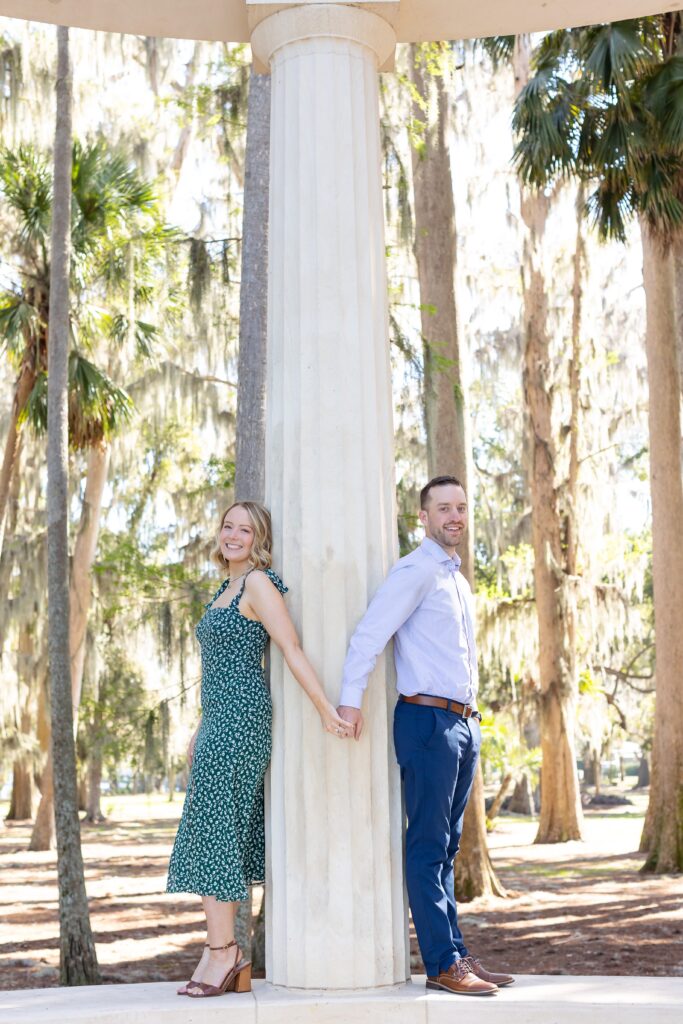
(244,583)
(218,593)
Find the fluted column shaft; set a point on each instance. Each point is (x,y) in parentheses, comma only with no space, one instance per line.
(335,900)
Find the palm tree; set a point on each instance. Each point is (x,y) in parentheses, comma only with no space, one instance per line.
(446,416)
(118,242)
(78,962)
(605,105)
(109,202)
(552,501)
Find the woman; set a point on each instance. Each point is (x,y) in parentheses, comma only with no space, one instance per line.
(219,850)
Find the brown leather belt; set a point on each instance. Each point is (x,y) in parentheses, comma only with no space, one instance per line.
(466,710)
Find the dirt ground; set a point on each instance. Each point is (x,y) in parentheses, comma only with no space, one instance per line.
(574,908)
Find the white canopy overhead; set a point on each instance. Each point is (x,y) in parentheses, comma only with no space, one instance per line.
(414,20)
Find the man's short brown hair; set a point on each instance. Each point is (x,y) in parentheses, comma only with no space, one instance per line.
(437,481)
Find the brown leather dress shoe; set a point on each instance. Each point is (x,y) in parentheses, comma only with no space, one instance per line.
(476,967)
(460,980)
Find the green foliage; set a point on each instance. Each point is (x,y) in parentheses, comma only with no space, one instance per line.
(504,750)
(118,242)
(588,685)
(97,406)
(18,319)
(498,48)
(606,104)
(26,187)
(113,707)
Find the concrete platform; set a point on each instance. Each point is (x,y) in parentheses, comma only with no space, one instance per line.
(532,999)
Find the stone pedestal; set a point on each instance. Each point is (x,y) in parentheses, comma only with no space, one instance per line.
(336,910)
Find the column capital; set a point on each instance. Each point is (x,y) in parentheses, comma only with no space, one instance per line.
(274,25)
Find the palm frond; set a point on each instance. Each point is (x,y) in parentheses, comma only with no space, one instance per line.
(499,49)
(663,99)
(614,54)
(35,410)
(26,185)
(17,317)
(97,406)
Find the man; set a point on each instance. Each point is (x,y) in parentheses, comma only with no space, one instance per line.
(426,605)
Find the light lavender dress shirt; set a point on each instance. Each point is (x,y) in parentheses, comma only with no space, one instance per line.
(427,606)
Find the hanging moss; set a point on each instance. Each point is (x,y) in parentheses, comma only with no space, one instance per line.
(11,80)
(199,274)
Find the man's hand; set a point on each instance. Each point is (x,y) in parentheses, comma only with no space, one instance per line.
(354,716)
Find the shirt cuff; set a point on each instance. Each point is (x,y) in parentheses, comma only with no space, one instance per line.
(352,695)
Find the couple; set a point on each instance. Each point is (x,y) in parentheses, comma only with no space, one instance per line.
(426,605)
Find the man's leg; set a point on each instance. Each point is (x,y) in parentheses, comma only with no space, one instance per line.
(429,771)
(469,743)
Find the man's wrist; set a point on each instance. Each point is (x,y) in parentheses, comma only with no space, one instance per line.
(351,696)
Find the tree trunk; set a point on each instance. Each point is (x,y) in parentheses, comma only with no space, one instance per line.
(678,268)
(664,822)
(9,528)
(24,387)
(561,816)
(522,801)
(21,802)
(251,367)
(571,539)
(43,834)
(93,811)
(250,448)
(494,809)
(258,945)
(78,962)
(187,130)
(80,587)
(449,449)
(474,875)
(446,419)
(79,604)
(643,773)
(597,772)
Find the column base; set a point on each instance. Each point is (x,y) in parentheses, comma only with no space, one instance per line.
(533,999)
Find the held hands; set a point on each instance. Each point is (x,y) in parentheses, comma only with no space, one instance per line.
(334,724)
(353,717)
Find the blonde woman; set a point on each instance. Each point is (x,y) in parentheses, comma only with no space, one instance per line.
(219,849)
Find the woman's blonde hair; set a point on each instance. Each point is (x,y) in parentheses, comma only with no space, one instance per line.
(259,518)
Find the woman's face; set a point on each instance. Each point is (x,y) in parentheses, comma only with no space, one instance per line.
(237,535)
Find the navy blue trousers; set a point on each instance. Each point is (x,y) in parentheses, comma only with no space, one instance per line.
(437,752)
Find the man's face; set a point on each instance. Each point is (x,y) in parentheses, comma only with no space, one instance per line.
(445,518)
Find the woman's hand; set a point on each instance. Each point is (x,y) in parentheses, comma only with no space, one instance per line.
(334,724)
(190,749)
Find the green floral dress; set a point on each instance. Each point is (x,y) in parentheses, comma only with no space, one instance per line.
(219,848)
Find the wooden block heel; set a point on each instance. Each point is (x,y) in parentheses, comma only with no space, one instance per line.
(237,979)
(242,981)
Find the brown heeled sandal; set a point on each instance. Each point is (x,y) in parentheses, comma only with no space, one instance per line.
(183,992)
(238,978)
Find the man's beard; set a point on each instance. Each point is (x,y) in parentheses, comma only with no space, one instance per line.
(448,540)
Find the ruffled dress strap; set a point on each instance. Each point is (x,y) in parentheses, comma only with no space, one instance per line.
(218,593)
(275,579)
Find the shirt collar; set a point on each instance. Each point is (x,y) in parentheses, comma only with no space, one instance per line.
(439,555)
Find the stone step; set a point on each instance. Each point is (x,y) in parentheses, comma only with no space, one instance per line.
(533,999)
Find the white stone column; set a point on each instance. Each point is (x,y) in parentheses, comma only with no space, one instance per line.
(336,915)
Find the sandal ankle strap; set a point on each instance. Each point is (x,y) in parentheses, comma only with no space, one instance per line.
(226,946)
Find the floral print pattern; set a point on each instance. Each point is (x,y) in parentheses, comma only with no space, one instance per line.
(219,848)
